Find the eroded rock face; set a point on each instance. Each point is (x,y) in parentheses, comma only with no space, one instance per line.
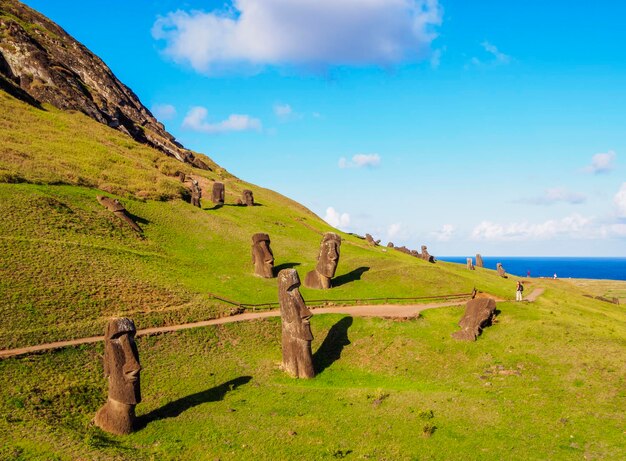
(247,198)
(45,64)
(262,256)
(217,195)
(479,261)
(501,271)
(296,329)
(479,313)
(118,210)
(470,264)
(121,367)
(327,262)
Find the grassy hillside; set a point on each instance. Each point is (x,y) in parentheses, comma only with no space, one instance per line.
(68,263)
(545,382)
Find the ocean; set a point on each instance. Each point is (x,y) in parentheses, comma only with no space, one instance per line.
(564,267)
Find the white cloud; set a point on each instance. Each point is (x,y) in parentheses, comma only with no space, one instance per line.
(435,59)
(575,226)
(163,111)
(500,58)
(303,32)
(196,120)
(620,201)
(360,161)
(445,233)
(336,219)
(283,110)
(555,195)
(601,163)
(393,230)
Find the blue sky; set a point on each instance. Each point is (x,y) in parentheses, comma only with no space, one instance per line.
(492,127)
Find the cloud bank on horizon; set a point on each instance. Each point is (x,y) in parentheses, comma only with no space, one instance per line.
(303,33)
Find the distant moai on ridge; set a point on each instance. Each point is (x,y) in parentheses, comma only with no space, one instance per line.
(262,256)
(218,193)
(479,313)
(501,271)
(479,260)
(295,326)
(121,367)
(327,261)
(470,264)
(427,256)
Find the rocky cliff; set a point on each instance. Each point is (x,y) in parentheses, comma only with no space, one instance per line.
(41,63)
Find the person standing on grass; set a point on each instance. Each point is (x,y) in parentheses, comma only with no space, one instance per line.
(518,291)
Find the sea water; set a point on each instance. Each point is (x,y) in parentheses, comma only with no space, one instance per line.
(563,267)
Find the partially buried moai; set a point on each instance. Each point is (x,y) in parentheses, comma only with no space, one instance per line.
(121,366)
(118,210)
(327,261)
(196,193)
(296,328)
(262,256)
(479,313)
(217,195)
(501,271)
(427,256)
(247,198)
(470,264)
(479,260)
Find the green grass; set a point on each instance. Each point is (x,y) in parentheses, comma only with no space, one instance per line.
(545,382)
(608,289)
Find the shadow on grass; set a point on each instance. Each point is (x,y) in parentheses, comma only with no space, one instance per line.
(330,350)
(137,219)
(282,266)
(350,276)
(175,408)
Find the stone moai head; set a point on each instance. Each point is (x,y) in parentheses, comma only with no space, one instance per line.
(217,195)
(121,361)
(121,366)
(479,260)
(470,264)
(500,269)
(296,328)
(247,197)
(329,255)
(262,256)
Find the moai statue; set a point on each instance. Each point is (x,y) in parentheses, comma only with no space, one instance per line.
(327,261)
(121,366)
(479,260)
(196,193)
(218,193)
(370,239)
(426,256)
(390,245)
(247,198)
(262,256)
(470,264)
(479,313)
(296,329)
(501,271)
(118,210)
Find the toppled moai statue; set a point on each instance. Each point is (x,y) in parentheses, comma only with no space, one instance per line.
(247,198)
(196,193)
(262,256)
(479,313)
(426,256)
(479,260)
(371,240)
(118,210)
(415,253)
(501,271)
(327,261)
(121,366)
(390,245)
(470,264)
(403,249)
(217,195)
(296,328)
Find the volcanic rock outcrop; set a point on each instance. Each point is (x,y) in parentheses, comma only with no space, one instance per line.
(479,313)
(41,63)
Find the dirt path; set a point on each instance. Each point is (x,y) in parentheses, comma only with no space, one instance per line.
(535,294)
(379,310)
